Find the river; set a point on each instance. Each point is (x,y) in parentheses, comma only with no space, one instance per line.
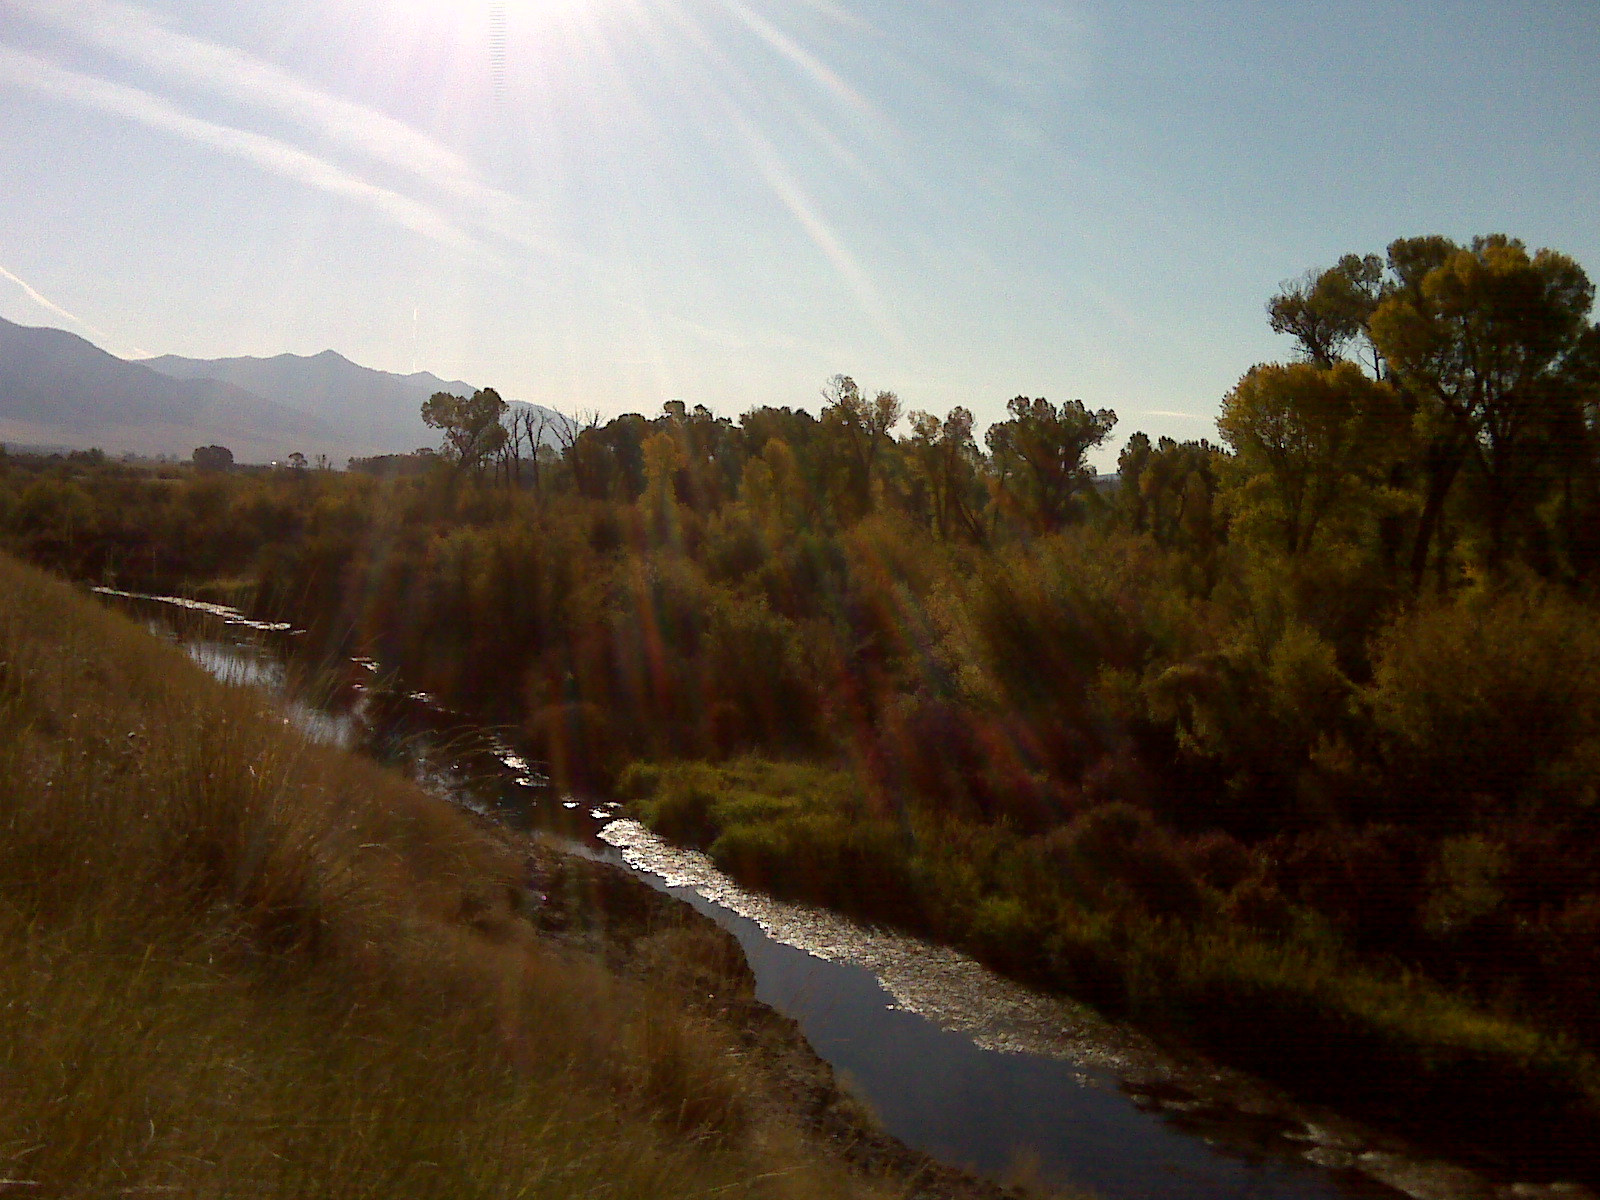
(955,1060)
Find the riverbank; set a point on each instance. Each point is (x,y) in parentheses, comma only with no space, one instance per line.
(234,962)
(1095,913)
(644,934)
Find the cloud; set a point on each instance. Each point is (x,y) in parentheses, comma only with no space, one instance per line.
(1161,412)
(138,37)
(793,197)
(270,154)
(819,71)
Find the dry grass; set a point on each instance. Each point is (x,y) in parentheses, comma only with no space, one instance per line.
(236,964)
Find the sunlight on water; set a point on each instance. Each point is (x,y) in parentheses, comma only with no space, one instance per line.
(1218,1133)
(954,991)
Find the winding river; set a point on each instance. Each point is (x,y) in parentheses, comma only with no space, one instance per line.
(954,1060)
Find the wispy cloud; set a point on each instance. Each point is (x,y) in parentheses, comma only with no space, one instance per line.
(793,197)
(808,62)
(136,36)
(281,158)
(1162,412)
(51,306)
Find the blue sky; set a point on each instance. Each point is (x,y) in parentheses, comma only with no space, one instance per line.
(610,203)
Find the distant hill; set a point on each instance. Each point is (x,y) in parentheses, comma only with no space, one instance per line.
(379,412)
(58,389)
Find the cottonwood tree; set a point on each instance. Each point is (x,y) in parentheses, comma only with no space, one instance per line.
(213,458)
(1039,457)
(1488,348)
(1307,441)
(1487,341)
(1167,490)
(946,460)
(860,428)
(473,430)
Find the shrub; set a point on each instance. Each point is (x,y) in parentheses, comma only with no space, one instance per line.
(1116,855)
(1219,859)
(1489,704)
(1368,882)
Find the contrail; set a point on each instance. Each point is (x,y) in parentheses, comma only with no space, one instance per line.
(50,305)
(137,36)
(281,158)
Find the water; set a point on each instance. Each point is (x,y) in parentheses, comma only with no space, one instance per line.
(956,1061)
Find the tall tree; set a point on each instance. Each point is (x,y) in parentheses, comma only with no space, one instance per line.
(1307,440)
(1327,312)
(1488,340)
(472,426)
(1039,457)
(1482,343)
(860,427)
(1168,490)
(946,460)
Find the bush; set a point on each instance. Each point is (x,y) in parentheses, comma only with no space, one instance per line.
(1115,856)
(1489,705)
(1368,882)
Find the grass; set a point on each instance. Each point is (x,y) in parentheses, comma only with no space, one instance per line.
(1108,911)
(235,963)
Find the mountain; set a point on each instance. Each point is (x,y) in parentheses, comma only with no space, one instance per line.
(377,412)
(58,389)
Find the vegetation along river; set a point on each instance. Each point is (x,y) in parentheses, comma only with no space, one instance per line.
(955,1060)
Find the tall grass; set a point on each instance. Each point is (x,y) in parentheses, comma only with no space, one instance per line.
(235,963)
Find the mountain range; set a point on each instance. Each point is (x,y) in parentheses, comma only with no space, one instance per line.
(59,390)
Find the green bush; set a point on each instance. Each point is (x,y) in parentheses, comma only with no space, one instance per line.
(1490,705)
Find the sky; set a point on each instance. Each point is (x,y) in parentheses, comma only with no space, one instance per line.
(606,204)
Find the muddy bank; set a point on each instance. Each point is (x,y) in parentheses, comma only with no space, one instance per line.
(602,910)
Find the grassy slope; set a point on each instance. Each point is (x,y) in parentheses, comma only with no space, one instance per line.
(232,963)
(1096,912)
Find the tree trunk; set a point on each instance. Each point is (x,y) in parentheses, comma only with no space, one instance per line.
(1444,463)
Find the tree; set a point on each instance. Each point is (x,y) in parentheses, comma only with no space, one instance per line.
(1167,490)
(1307,440)
(531,424)
(473,430)
(1328,311)
(862,428)
(946,459)
(297,461)
(1039,456)
(213,458)
(1488,341)
(1485,346)
(1131,465)
(663,459)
